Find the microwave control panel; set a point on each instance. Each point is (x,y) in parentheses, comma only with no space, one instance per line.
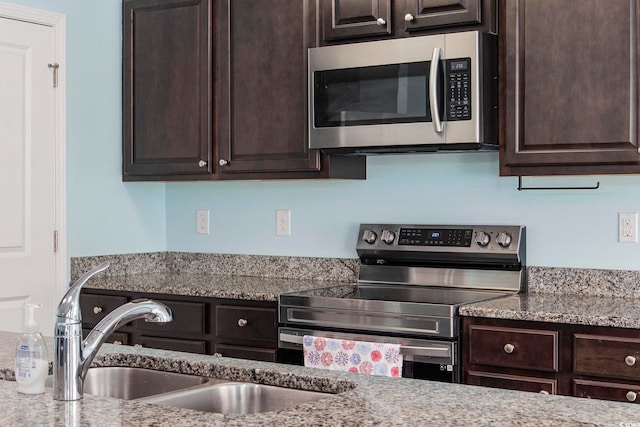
(458,75)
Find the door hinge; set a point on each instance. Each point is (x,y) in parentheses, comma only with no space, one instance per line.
(55,67)
(55,241)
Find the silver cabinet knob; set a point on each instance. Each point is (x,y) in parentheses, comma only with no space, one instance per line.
(408,17)
(202,163)
(223,162)
(631,396)
(116,342)
(217,355)
(544,392)
(381,22)
(137,345)
(97,310)
(508,348)
(630,360)
(242,322)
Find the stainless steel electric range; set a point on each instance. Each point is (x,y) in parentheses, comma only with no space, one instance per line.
(411,281)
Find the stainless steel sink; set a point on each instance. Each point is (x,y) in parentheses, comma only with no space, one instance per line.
(236,398)
(134,383)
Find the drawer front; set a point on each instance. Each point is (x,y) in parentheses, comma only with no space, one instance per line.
(188,317)
(606,356)
(251,353)
(607,391)
(114,338)
(513,347)
(247,323)
(189,346)
(513,382)
(95,307)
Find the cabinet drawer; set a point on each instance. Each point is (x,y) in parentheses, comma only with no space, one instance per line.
(606,390)
(247,323)
(606,356)
(95,307)
(188,317)
(189,346)
(513,347)
(513,382)
(114,338)
(251,353)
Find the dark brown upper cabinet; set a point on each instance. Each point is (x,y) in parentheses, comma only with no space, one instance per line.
(167,88)
(568,87)
(217,90)
(355,20)
(262,103)
(421,14)
(343,19)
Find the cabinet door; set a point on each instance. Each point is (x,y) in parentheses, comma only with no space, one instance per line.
(343,19)
(166,88)
(422,14)
(569,87)
(262,75)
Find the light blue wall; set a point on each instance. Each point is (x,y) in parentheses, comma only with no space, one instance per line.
(104,215)
(564,228)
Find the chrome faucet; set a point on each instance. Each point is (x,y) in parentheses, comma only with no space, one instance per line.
(73,356)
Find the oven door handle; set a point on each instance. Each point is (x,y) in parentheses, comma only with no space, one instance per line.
(405,350)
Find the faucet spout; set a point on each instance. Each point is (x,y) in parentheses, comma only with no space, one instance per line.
(72,355)
(146,309)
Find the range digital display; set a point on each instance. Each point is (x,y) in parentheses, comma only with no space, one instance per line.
(435,237)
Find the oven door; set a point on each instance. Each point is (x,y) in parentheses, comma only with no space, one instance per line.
(423,359)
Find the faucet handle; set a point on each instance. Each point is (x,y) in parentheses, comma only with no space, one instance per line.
(69,307)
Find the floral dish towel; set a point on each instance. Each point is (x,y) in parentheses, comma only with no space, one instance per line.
(362,357)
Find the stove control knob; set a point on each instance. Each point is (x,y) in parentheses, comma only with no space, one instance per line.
(369,236)
(504,239)
(483,239)
(388,236)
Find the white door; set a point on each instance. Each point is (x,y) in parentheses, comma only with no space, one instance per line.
(27,173)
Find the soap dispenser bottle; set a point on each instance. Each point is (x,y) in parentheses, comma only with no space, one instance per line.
(32,363)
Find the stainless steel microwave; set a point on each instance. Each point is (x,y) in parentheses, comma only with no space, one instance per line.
(414,94)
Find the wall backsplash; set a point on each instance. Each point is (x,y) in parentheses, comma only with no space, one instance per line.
(593,282)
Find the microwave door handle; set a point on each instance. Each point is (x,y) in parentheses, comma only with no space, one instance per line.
(434,102)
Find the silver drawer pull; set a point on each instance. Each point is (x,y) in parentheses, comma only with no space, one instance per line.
(97,310)
(242,322)
(508,348)
(116,342)
(137,345)
(202,163)
(544,392)
(408,17)
(630,360)
(631,396)
(381,22)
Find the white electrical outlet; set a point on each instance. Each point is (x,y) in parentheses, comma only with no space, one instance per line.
(628,227)
(283,222)
(202,221)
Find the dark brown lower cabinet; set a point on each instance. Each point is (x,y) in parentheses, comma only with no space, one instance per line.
(234,328)
(573,360)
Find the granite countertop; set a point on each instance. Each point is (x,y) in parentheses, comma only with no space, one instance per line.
(360,400)
(558,308)
(207,285)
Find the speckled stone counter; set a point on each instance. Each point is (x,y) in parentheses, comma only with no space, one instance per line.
(360,400)
(205,285)
(559,308)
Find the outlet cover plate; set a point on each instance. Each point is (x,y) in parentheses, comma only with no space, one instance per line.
(628,227)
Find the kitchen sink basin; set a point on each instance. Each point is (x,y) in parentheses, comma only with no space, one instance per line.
(133,383)
(236,398)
